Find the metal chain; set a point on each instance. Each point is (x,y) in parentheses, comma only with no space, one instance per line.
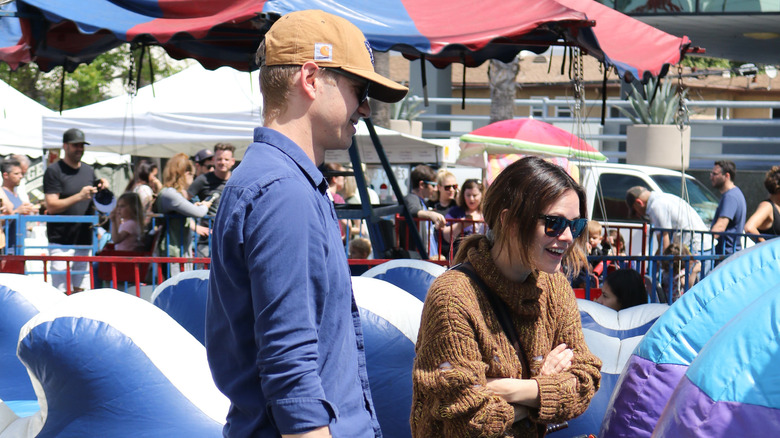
(681,118)
(132,86)
(579,92)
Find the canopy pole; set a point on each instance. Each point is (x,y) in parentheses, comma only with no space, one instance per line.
(424,79)
(151,70)
(463,82)
(604,95)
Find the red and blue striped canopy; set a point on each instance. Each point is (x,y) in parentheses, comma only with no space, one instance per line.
(227,32)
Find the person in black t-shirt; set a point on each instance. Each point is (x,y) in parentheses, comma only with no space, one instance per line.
(69,186)
(210,185)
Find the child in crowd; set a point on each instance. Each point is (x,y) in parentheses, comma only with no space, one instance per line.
(677,269)
(359,248)
(595,267)
(622,289)
(127,219)
(597,245)
(617,243)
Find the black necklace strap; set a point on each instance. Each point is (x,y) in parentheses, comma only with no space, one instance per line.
(499,309)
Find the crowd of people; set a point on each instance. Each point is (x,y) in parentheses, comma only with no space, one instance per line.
(176,198)
(187,195)
(500,349)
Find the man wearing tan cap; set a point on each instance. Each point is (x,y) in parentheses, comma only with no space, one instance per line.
(283,332)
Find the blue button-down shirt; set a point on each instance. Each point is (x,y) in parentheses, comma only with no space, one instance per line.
(283,333)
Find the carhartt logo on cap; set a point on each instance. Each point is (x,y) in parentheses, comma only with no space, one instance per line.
(323,52)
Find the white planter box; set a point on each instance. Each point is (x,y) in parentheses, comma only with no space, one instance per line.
(659,145)
(407,127)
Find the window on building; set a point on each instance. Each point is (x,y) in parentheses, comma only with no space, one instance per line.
(563,111)
(537,111)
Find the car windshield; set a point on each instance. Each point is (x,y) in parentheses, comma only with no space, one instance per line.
(700,198)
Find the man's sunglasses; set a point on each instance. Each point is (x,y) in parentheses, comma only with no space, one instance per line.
(362,92)
(554,226)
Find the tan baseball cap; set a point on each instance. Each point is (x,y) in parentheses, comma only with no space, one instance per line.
(329,41)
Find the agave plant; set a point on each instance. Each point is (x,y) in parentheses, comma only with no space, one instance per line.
(406,110)
(661,110)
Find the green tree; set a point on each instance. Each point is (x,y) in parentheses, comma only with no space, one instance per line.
(703,62)
(89,83)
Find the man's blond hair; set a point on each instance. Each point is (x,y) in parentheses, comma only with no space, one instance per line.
(276,83)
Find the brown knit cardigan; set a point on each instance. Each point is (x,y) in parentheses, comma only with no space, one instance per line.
(461,343)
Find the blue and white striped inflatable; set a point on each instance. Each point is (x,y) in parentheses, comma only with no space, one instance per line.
(105,363)
(184,297)
(611,336)
(21,298)
(390,318)
(413,276)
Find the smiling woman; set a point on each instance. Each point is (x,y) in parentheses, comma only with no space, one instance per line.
(508,297)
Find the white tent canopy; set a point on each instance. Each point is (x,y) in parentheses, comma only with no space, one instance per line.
(185,112)
(195,109)
(20,122)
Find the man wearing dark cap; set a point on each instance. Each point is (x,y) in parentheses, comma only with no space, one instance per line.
(68,185)
(665,210)
(283,333)
(204,162)
(209,186)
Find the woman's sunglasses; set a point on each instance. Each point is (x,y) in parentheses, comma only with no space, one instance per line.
(451,187)
(554,226)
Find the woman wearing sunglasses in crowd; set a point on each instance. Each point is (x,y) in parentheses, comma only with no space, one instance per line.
(500,351)
(446,192)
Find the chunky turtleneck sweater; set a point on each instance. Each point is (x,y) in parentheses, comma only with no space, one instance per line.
(461,344)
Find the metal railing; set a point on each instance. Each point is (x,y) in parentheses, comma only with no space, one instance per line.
(701,134)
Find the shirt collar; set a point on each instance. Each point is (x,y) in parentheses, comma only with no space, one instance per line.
(291,149)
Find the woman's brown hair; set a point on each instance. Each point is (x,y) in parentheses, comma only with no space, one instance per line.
(772,180)
(175,168)
(470,184)
(526,188)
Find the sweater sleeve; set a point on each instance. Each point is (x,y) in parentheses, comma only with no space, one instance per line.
(449,373)
(566,395)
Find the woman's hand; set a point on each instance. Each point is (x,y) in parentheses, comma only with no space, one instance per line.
(558,360)
(206,203)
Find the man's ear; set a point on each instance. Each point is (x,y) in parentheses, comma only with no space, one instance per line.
(307,79)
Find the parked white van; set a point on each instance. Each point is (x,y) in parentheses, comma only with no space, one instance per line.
(606,185)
